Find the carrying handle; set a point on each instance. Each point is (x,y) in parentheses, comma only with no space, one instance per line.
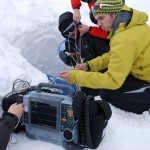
(60,86)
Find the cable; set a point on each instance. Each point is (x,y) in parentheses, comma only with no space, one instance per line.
(12,137)
(67,40)
(17,123)
(25,84)
(14,91)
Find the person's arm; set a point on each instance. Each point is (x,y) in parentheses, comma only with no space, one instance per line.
(94,31)
(100,62)
(119,63)
(76,4)
(8,122)
(98,32)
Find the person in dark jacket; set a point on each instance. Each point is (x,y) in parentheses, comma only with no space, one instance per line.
(8,122)
(79,48)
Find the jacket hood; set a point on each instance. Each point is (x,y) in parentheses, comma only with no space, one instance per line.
(127,18)
(64,21)
(138,17)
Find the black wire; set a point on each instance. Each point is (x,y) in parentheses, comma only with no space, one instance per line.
(14,91)
(11,138)
(25,83)
(10,141)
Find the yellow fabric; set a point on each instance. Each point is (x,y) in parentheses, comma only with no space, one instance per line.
(129,53)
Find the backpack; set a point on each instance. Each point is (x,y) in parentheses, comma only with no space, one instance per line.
(93,116)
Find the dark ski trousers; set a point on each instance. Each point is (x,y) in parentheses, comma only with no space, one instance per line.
(89,91)
(133,96)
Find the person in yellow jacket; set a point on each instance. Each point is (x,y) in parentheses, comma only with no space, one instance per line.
(126,83)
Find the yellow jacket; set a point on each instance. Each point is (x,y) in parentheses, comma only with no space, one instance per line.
(129,53)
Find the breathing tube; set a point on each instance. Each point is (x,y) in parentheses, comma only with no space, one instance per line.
(69,41)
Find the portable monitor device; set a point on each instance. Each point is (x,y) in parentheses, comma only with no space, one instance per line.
(49,116)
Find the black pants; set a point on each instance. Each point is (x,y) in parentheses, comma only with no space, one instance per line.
(89,91)
(133,96)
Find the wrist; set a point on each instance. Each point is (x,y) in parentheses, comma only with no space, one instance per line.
(87,66)
(76,8)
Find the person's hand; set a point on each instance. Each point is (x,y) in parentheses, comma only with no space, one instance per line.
(16,109)
(76,15)
(82,66)
(83,29)
(65,75)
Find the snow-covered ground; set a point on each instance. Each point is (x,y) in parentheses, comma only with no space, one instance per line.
(28,50)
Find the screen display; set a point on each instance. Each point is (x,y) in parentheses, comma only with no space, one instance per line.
(44,114)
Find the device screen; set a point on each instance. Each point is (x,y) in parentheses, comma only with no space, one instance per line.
(43,114)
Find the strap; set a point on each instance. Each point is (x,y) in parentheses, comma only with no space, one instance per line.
(77,107)
(106,108)
(78,42)
(87,120)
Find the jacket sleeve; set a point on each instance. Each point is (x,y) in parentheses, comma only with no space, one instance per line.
(123,54)
(7,125)
(98,32)
(76,3)
(100,62)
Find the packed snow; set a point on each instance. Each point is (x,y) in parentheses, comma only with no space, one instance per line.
(29,38)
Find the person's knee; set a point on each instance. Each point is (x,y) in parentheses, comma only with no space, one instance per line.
(108,95)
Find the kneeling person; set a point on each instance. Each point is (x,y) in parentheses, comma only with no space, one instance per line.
(79,48)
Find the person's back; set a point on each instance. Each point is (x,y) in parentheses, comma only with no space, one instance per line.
(91,47)
(139,38)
